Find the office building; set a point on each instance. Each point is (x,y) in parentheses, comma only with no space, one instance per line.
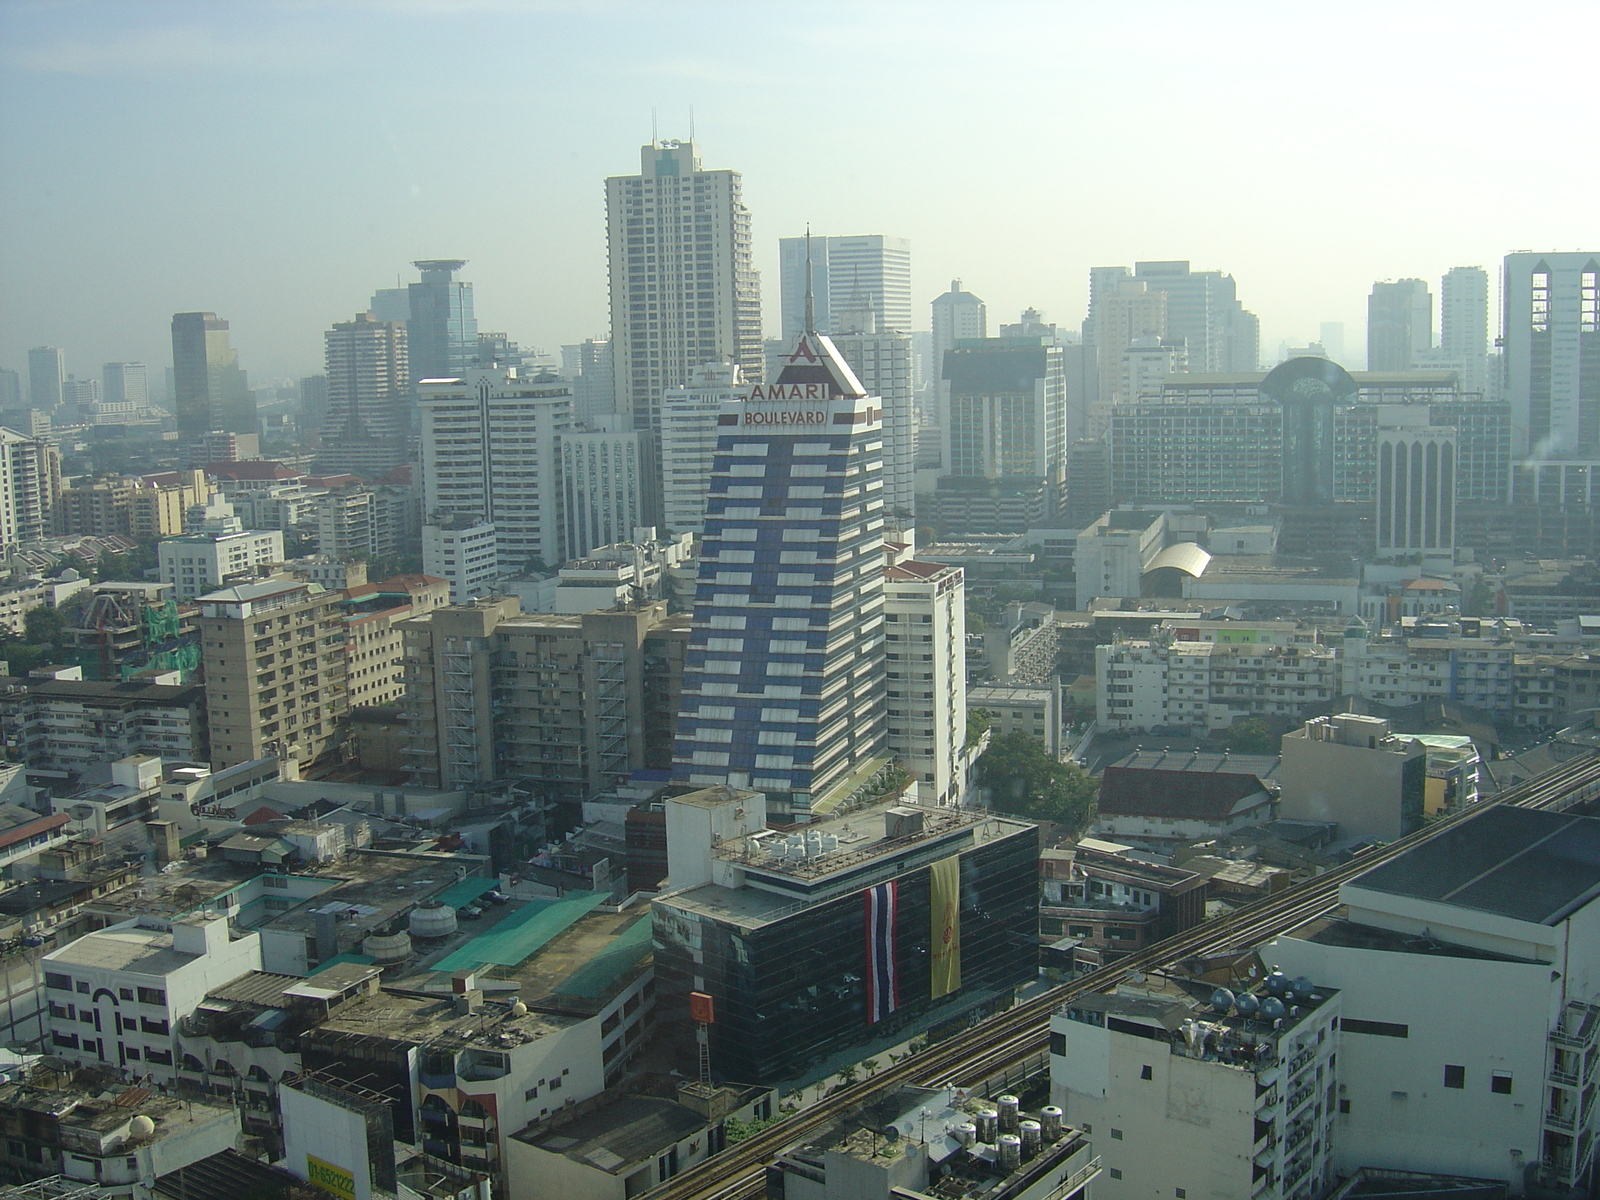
(784,687)
(684,288)
(275,670)
(608,479)
(1416,484)
(47,368)
(491,454)
(210,391)
(1351,769)
(853,936)
(567,705)
(594,385)
(1495,915)
(1124,314)
(219,551)
(924,612)
(957,315)
(125,383)
(1231,1097)
(82,396)
(1004,435)
(368,422)
(689,441)
(441,327)
(116,995)
(881,360)
(30,480)
(1204,313)
(1399,325)
(1464,326)
(1552,359)
(846,273)
(10,389)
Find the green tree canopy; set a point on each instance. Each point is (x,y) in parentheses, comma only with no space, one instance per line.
(1252,736)
(1023,780)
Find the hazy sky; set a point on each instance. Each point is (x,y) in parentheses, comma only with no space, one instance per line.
(277,161)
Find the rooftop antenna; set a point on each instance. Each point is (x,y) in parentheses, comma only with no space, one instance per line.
(655,139)
(691,123)
(811,304)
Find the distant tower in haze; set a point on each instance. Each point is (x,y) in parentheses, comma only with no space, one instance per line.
(845,271)
(209,389)
(881,360)
(957,314)
(369,376)
(1464,325)
(1203,309)
(47,368)
(441,329)
(124,383)
(1399,325)
(684,288)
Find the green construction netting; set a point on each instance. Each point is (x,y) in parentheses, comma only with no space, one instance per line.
(366,960)
(597,975)
(521,934)
(465,891)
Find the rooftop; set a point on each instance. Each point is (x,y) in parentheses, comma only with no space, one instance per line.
(1525,864)
(145,951)
(618,1135)
(1179,793)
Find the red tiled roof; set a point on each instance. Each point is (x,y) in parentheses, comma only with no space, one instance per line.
(911,568)
(1184,795)
(254,469)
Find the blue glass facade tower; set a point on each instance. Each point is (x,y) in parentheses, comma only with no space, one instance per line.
(784,679)
(442,332)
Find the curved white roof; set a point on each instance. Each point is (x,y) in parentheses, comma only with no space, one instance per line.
(1187,557)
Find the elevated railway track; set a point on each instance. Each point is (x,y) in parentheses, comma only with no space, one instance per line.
(1022,1032)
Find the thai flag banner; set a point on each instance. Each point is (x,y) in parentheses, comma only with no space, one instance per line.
(883,986)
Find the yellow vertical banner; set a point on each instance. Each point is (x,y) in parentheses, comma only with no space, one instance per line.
(944,894)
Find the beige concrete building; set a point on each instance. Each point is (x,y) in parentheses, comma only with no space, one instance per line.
(374,646)
(925,648)
(275,670)
(575,703)
(1353,770)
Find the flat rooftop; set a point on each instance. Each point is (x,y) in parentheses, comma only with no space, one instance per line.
(1351,935)
(1519,863)
(142,951)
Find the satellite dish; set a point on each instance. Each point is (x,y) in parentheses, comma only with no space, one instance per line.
(890,1133)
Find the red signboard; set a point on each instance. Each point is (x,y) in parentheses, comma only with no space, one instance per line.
(702,1010)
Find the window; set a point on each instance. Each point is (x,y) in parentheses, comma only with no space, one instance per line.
(1180,1193)
(1115,1173)
(1344,1108)
(1375,1028)
(1500,1082)
(1455,1077)
(1145,1073)
(125,993)
(1058,1042)
(152,996)
(1116,1135)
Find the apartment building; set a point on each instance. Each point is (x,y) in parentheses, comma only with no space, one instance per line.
(374,645)
(569,704)
(72,724)
(924,615)
(276,664)
(1195,685)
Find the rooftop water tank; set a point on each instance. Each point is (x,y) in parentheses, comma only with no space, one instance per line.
(1032,1134)
(387,947)
(1010,1110)
(988,1125)
(141,1126)
(1246,1004)
(1303,987)
(1277,982)
(1222,1000)
(966,1133)
(1050,1117)
(1273,1009)
(433,921)
(1010,1152)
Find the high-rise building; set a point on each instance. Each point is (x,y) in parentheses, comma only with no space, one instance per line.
(491,453)
(784,684)
(1416,484)
(957,315)
(846,272)
(10,389)
(275,670)
(689,441)
(125,383)
(47,367)
(314,401)
(1125,312)
(82,394)
(1399,325)
(1464,313)
(594,389)
(441,328)
(1203,310)
(1004,435)
(210,391)
(881,360)
(925,638)
(30,480)
(369,386)
(569,705)
(608,483)
(684,288)
(218,551)
(1552,354)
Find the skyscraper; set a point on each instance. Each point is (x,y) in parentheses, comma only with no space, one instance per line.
(783,686)
(10,389)
(124,383)
(1552,350)
(1464,325)
(1125,312)
(1203,309)
(47,367)
(369,384)
(608,485)
(441,328)
(491,452)
(881,360)
(684,288)
(1399,325)
(689,441)
(957,314)
(209,389)
(845,272)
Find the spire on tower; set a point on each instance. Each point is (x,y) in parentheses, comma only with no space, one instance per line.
(811,303)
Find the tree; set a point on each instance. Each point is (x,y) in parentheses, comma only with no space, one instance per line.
(1024,780)
(42,626)
(977,725)
(1252,736)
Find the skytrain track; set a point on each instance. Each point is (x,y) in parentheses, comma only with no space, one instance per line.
(1022,1032)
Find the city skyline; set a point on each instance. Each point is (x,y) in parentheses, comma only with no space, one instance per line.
(284,231)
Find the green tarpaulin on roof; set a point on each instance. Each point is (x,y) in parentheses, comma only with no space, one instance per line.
(597,975)
(465,891)
(521,934)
